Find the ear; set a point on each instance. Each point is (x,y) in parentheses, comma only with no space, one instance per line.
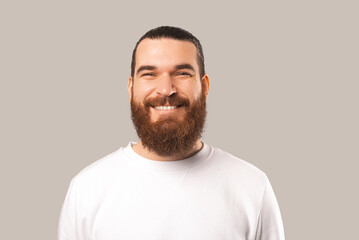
(129,88)
(205,84)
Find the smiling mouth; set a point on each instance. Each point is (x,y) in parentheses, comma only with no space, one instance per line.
(166,108)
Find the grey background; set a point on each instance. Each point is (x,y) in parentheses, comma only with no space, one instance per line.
(284,96)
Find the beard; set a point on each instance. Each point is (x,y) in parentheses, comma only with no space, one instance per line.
(168,136)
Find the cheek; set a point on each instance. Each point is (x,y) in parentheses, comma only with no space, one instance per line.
(192,92)
(140,92)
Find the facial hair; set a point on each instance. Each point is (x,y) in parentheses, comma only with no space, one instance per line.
(168,136)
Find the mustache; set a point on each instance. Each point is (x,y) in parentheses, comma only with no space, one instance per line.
(173,100)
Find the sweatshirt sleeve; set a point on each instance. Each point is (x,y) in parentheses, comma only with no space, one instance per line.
(67,222)
(270,225)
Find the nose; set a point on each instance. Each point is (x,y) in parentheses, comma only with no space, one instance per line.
(165,86)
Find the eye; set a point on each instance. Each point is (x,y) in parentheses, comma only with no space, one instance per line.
(184,74)
(148,75)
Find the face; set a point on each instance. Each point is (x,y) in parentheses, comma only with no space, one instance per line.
(166,67)
(167,94)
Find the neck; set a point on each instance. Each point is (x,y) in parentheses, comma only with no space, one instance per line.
(144,152)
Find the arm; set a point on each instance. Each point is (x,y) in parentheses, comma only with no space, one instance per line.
(270,225)
(67,222)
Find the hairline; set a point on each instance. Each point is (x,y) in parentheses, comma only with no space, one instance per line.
(198,59)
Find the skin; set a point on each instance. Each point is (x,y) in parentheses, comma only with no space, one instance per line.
(165,67)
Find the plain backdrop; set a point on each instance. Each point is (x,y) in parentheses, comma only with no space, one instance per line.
(284,97)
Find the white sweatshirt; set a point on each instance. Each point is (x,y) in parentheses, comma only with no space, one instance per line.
(209,196)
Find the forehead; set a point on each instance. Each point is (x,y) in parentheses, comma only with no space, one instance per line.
(166,52)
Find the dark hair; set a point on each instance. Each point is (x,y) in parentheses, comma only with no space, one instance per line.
(171,33)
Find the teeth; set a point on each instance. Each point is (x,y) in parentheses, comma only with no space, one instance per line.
(165,107)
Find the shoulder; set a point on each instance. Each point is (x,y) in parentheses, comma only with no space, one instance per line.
(102,168)
(237,167)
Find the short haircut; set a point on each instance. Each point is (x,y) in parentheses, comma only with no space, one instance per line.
(171,33)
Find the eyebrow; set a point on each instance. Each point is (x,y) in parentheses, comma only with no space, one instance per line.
(177,67)
(145,67)
(185,66)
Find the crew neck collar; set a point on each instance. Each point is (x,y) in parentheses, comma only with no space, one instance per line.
(177,165)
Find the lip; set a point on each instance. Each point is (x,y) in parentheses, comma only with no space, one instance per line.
(166,110)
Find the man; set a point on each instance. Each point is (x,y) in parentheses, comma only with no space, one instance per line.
(170,185)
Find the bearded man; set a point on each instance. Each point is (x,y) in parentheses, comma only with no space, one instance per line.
(170,185)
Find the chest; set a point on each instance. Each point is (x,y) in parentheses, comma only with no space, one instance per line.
(178,209)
